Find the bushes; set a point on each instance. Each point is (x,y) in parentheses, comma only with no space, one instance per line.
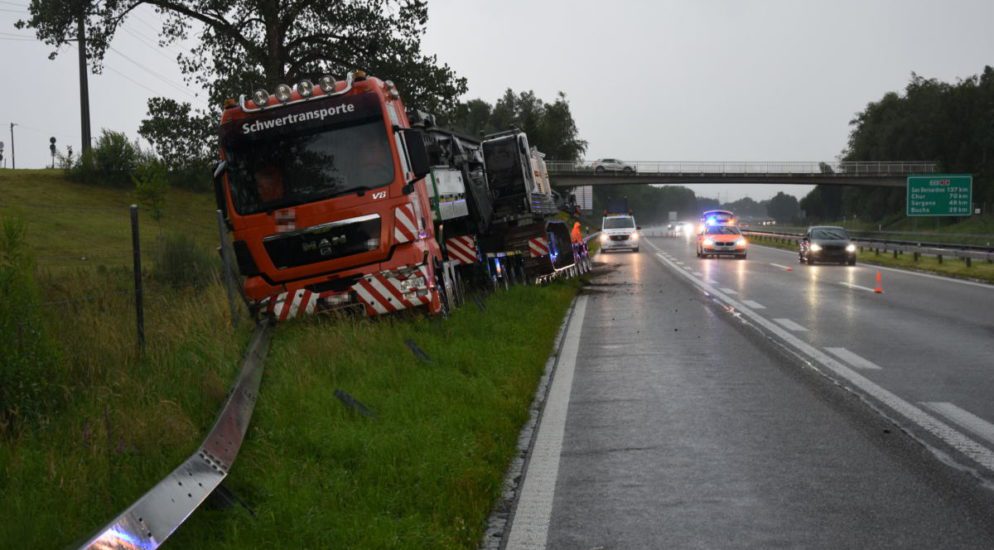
(111,161)
(29,374)
(179,262)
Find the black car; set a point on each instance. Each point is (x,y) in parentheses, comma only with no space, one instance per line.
(825,243)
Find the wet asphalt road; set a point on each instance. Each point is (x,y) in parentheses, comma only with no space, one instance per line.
(686,428)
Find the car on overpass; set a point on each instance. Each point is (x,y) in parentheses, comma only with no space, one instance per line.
(826,243)
(619,232)
(721,240)
(612,165)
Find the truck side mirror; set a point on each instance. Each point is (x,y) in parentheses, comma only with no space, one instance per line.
(417,153)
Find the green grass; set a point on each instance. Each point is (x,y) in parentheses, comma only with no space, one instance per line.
(74,225)
(423,474)
(950,267)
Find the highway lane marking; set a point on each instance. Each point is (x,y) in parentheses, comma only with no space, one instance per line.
(790,325)
(530,526)
(754,305)
(711,281)
(952,437)
(963,418)
(698,274)
(853,359)
(728,290)
(901,271)
(859,287)
(780,266)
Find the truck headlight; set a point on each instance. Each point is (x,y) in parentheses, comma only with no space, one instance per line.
(850,248)
(604,237)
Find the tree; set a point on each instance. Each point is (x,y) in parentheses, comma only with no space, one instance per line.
(179,136)
(550,126)
(783,207)
(250,43)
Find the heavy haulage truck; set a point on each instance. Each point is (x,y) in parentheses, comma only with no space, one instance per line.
(334,201)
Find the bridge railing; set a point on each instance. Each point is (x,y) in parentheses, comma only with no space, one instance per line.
(844,168)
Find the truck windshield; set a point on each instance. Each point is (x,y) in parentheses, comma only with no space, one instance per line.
(618,223)
(294,168)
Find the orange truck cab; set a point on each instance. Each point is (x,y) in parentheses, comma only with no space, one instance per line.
(323,189)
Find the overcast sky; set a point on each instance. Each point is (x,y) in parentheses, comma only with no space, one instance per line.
(704,80)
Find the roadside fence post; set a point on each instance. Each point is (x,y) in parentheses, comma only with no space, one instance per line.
(969,261)
(139,307)
(229,283)
(939,257)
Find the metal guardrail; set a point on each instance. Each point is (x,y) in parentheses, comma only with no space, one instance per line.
(838,169)
(158,513)
(924,248)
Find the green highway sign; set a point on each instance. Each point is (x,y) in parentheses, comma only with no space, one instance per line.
(940,195)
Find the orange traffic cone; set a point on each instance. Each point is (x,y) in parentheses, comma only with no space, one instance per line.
(879,289)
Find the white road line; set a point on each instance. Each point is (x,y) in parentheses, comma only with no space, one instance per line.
(711,281)
(729,291)
(778,265)
(853,359)
(850,285)
(754,305)
(790,325)
(530,528)
(698,274)
(895,270)
(965,419)
(954,438)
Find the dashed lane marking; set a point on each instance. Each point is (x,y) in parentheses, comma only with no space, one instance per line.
(951,436)
(853,359)
(729,291)
(857,287)
(790,325)
(753,305)
(778,265)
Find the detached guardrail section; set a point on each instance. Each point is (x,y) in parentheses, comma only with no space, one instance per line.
(158,513)
(843,168)
(967,253)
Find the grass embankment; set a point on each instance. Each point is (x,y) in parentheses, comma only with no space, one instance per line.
(426,470)
(951,267)
(73,225)
(422,474)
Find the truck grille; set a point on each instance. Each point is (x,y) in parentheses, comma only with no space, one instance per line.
(324,242)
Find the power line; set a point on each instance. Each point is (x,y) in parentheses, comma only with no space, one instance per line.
(153,73)
(154,48)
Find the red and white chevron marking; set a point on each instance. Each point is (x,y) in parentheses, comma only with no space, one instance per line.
(462,250)
(381,294)
(538,247)
(285,306)
(405,227)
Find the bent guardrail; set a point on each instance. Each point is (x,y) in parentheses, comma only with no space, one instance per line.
(158,513)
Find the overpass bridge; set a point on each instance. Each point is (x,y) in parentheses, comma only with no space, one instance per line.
(866,174)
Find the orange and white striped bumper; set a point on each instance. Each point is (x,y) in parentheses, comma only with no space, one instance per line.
(378,293)
(538,247)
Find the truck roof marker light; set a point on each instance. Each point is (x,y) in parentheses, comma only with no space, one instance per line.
(305,88)
(392,89)
(260,97)
(283,93)
(327,83)
(359,75)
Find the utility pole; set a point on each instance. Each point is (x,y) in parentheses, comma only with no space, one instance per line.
(13,157)
(84,91)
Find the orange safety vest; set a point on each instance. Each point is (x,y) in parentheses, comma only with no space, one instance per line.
(576,236)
